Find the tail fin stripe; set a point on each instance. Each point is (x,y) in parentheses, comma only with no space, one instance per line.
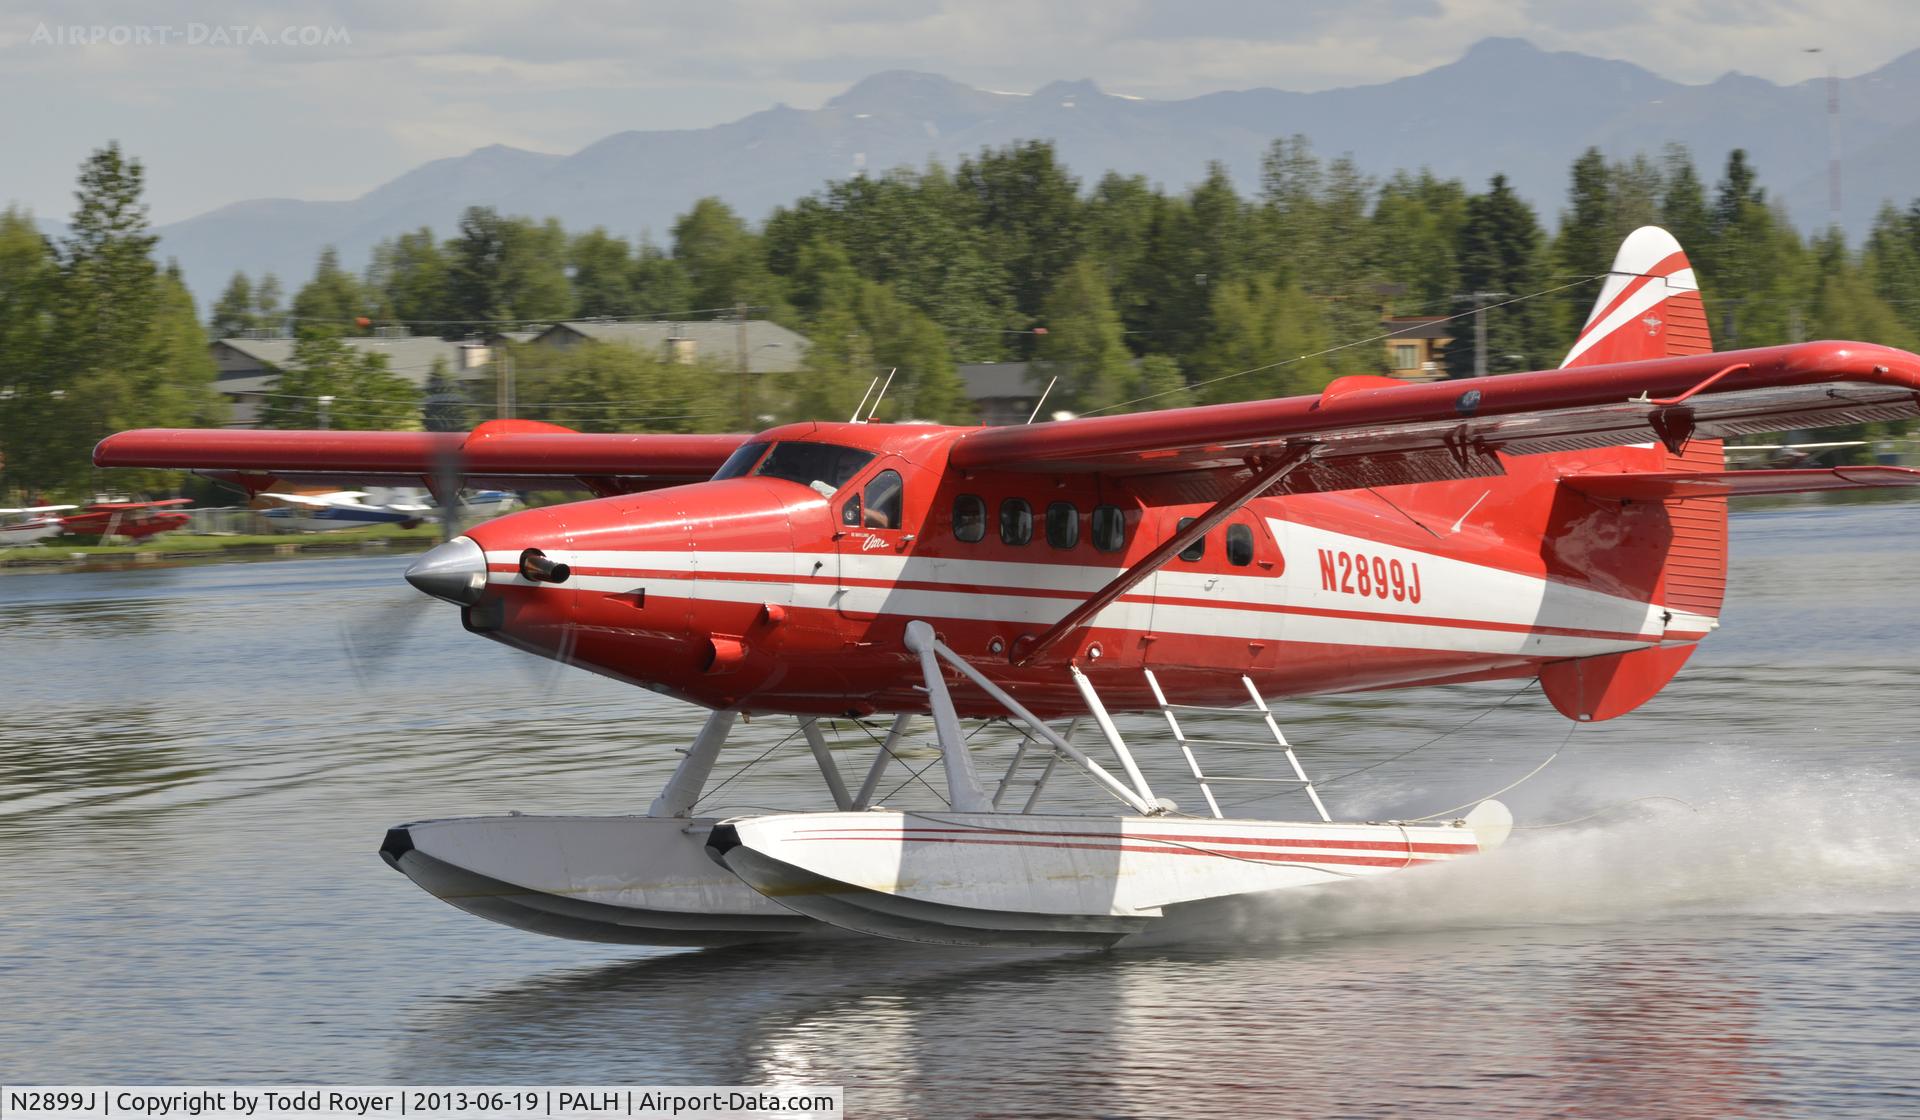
(1675,270)
(1643,296)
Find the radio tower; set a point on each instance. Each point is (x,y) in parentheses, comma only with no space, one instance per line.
(1833,139)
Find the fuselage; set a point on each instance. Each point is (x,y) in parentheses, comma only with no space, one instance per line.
(784,585)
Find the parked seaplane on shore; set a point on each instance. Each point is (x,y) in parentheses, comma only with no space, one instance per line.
(31,524)
(136,521)
(407,507)
(1567,524)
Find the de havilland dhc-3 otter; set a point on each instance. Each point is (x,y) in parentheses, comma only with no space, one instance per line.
(1567,524)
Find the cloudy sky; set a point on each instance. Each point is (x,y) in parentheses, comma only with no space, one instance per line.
(221,108)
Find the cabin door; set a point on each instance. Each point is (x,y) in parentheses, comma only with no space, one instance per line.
(872,536)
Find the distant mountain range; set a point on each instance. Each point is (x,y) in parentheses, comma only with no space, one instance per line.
(1505,106)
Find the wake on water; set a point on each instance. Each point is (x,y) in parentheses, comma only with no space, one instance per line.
(1725,836)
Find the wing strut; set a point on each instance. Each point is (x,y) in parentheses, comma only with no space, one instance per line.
(1265,477)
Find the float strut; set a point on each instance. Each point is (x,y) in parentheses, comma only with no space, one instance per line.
(829,769)
(963,784)
(1105,723)
(929,645)
(690,777)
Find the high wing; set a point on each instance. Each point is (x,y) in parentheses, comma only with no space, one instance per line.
(505,454)
(1370,431)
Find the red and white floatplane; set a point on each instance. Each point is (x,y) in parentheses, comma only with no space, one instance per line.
(1567,524)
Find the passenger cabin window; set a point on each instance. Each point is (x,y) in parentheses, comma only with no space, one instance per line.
(1195,550)
(1063,525)
(825,467)
(1239,545)
(1016,521)
(883,501)
(969,518)
(1109,528)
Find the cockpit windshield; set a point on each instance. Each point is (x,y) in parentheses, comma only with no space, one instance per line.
(825,467)
(741,461)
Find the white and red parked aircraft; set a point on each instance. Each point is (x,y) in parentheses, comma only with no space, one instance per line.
(1568,524)
(31,524)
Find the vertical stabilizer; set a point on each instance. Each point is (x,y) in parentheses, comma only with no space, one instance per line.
(1649,307)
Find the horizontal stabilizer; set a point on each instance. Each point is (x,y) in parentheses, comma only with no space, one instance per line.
(1658,486)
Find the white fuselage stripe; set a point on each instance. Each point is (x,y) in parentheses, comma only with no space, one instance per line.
(1461,607)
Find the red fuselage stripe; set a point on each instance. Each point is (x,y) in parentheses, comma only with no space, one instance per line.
(1260,857)
(1169,837)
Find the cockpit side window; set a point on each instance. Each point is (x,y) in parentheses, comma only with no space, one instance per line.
(883,501)
(825,467)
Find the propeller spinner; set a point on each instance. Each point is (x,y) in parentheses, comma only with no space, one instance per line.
(454,570)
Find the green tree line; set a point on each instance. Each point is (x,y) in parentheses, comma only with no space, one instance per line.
(94,337)
(1138,297)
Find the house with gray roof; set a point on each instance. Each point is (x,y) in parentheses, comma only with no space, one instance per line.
(768,347)
(1003,392)
(247,370)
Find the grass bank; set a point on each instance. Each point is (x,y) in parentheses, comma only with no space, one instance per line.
(217,546)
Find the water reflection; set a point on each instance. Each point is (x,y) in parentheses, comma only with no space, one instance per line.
(1617,1028)
(1651,1028)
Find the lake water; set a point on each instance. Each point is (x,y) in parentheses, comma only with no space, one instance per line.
(197,765)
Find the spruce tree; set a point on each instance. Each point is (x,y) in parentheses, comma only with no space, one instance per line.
(233,312)
(1683,203)
(331,302)
(119,361)
(1085,343)
(1585,242)
(29,296)
(1501,252)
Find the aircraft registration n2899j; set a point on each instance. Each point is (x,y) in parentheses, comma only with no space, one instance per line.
(1567,524)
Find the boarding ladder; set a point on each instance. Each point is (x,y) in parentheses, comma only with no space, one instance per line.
(1188,743)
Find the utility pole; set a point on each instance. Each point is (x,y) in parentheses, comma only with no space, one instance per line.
(1480,300)
(746,377)
(503,383)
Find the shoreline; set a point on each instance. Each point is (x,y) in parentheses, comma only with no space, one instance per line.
(180,549)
